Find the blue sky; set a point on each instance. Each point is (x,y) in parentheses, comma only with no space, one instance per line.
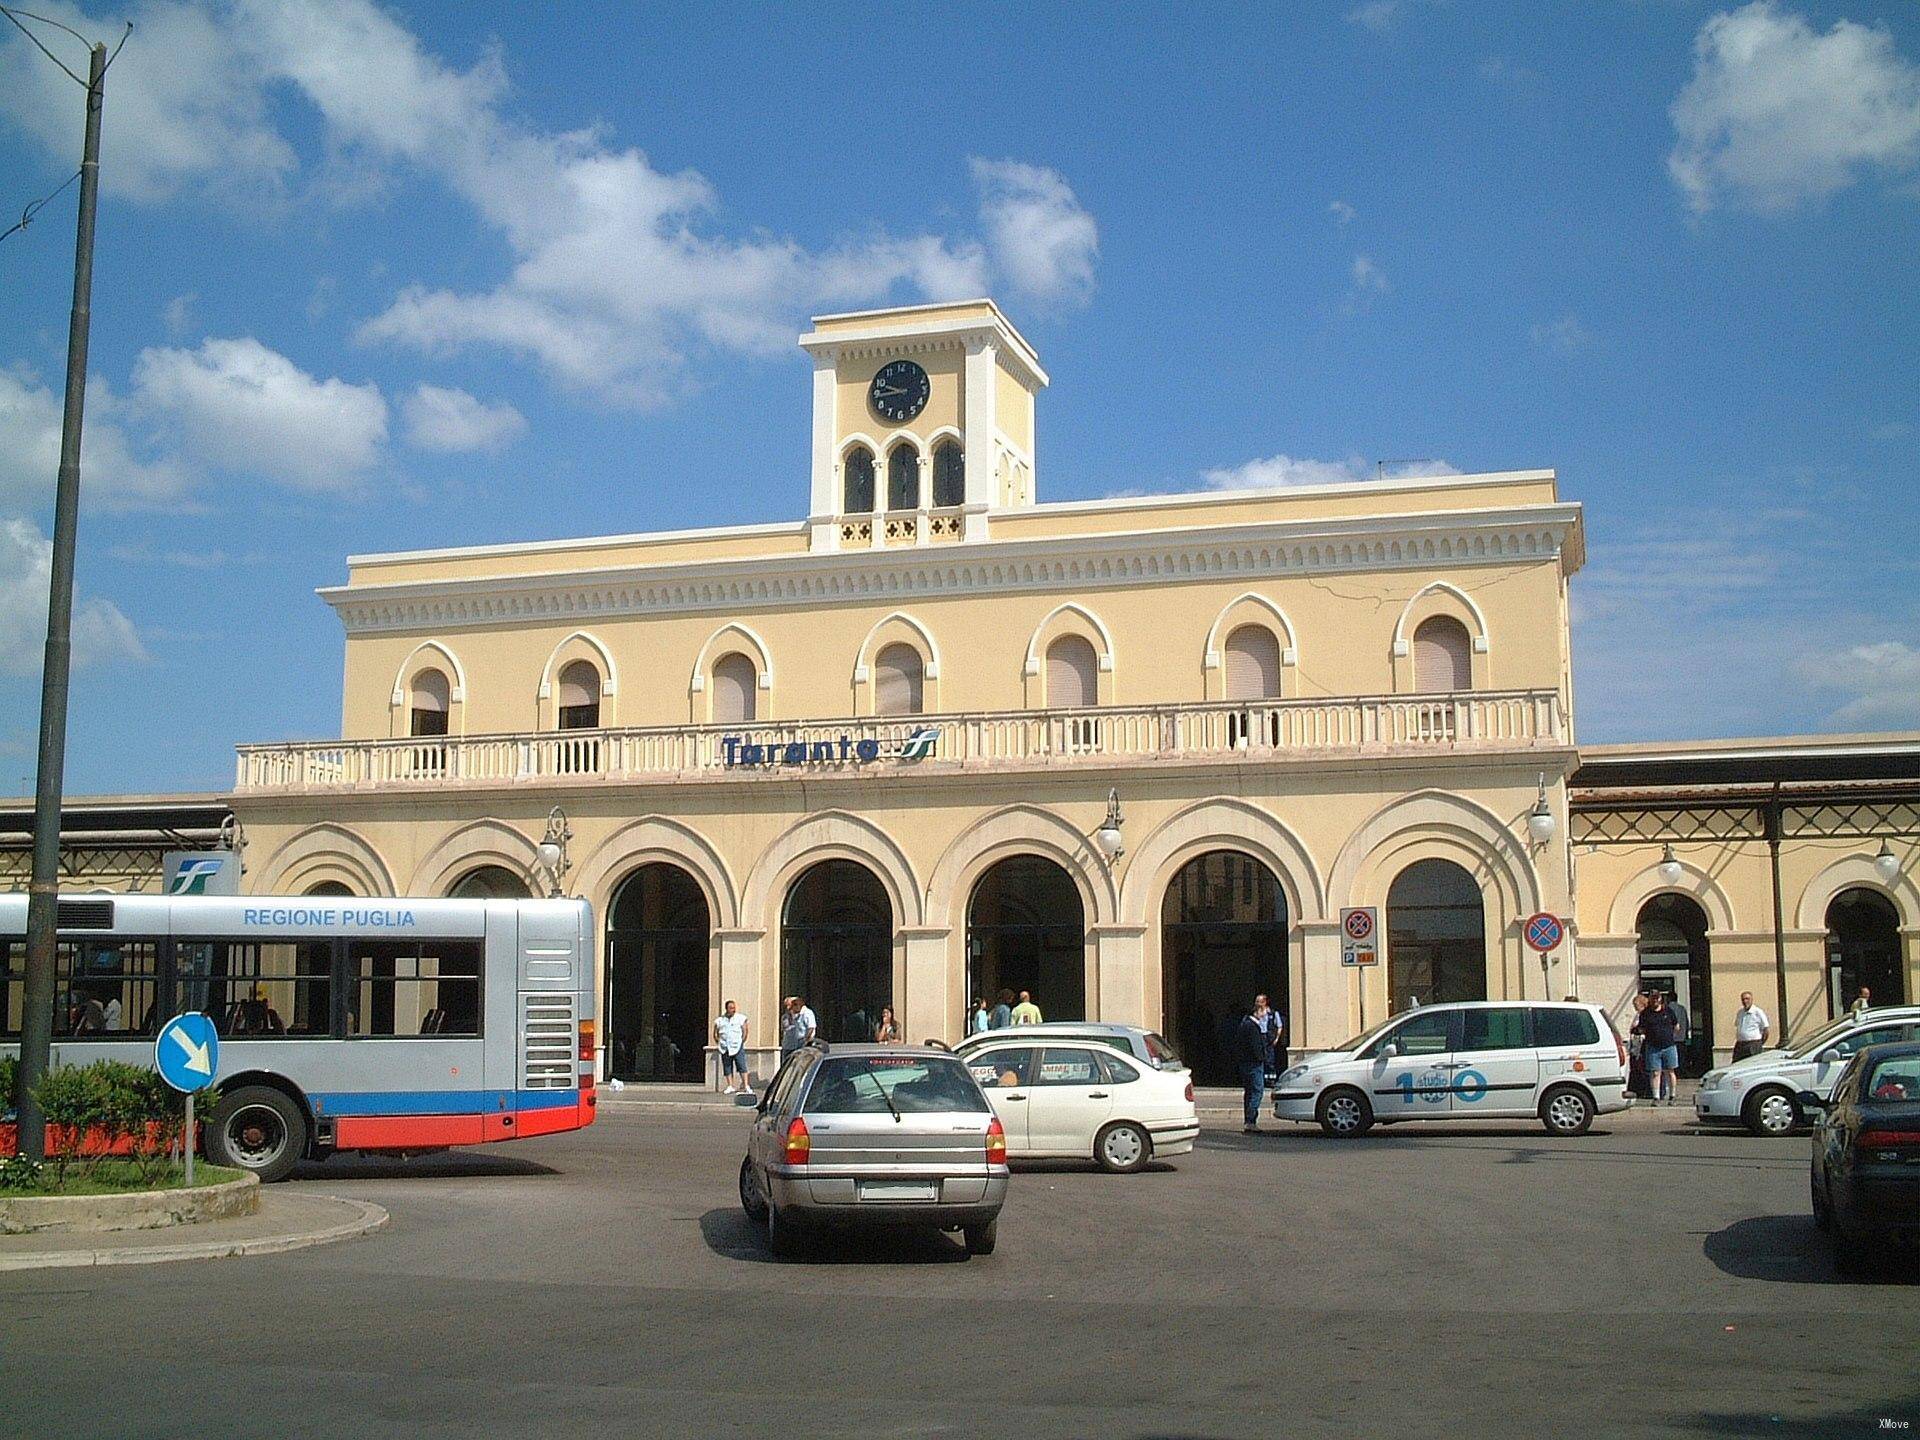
(372,278)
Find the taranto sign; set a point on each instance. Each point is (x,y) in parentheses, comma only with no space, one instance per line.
(737,750)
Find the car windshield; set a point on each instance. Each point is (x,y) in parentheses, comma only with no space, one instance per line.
(1895,1078)
(915,1085)
(1366,1037)
(1821,1039)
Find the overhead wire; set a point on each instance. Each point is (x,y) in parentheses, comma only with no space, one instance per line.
(14,16)
(27,215)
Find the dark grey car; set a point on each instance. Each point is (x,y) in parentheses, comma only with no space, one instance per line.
(874,1136)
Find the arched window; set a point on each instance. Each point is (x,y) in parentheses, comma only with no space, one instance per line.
(1026,930)
(1223,940)
(579,696)
(1674,957)
(1863,951)
(898,683)
(1073,674)
(949,474)
(429,703)
(657,948)
(1442,656)
(1436,936)
(836,948)
(903,478)
(1253,664)
(490,882)
(735,690)
(857,482)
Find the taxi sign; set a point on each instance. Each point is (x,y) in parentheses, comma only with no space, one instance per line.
(187,1051)
(1543,932)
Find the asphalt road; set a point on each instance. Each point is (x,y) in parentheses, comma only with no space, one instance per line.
(1449,1282)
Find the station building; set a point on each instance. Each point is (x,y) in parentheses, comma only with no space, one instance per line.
(939,739)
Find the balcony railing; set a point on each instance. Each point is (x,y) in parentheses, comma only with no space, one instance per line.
(1219,730)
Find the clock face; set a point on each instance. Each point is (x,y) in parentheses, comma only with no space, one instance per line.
(899,391)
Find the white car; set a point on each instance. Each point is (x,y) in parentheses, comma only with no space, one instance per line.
(1561,1062)
(1147,1046)
(1759,1091)
(1074,1099)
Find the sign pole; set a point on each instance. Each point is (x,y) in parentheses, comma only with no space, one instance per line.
(189,1139)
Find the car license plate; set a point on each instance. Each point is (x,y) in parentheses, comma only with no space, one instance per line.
(897,1189)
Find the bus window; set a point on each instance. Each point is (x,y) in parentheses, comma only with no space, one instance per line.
(104,989)
(414,987)
(259,988)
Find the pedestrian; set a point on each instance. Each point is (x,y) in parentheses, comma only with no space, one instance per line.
(1026,1012)
(1862,1002)
(980,1019)
(1273,1025)
(730,1039)
(1250,1050)
(887,1032)
(1637,1051)
(1751,1028)
(797,1027)
(1661,1030)
(1002,1011)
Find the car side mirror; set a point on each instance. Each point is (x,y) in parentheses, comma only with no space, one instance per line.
(1389,1050)
(1811,1100)
(1831,1054)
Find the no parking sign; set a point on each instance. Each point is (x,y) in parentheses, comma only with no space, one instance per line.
(1359,927)
(1543,932)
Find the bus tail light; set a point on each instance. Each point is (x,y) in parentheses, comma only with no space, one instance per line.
(587,1053)
(996,1142)
(799,1144)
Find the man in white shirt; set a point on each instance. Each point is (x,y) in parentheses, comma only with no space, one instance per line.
(1751,1028)
(730,1029)
(798,1027)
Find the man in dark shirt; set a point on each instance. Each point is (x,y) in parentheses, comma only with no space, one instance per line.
(1250,1048)
(1660,1028)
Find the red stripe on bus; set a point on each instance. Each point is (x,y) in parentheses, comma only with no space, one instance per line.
(406,1132)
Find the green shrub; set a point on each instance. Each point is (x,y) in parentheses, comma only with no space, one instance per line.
(9,1073)
(19,1173)
(106,1107)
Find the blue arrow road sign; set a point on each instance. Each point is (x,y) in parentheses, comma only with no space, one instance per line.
(187,1052)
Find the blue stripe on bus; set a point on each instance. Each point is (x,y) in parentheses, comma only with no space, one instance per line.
(441,1102)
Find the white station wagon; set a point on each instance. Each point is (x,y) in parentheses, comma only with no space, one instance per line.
(1561,1062)
(1075,1099)
(1761,1091)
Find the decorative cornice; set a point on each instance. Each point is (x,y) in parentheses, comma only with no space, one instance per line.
(1269,549)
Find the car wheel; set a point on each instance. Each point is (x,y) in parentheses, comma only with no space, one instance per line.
(1122,1147)
(1822,1207)
(982,1238)
(1771,1111)
(259,1129)
(751,1200)
(1344,1114)
(1566,1110)
(783,1235)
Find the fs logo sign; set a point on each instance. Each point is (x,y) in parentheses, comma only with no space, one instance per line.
(204,872)
(738,752)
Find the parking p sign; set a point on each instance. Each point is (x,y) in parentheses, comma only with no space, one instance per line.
(1358,928)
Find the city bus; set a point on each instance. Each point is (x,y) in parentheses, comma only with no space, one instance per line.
(346,1024)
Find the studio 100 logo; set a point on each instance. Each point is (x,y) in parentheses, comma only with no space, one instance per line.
(737,751)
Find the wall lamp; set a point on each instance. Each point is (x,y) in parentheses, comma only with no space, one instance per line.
(1108,837)
(1540,821)
(1671,870)
(1887,864)
(550,855)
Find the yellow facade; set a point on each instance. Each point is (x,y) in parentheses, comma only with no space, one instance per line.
(1346,763)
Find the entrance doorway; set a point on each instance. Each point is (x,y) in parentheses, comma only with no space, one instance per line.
(657,945)
(1223,940)
(1436,936)
(1863,949)
(1026,930)
(836,948)
(1674,958)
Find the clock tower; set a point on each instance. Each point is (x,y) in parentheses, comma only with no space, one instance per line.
(922,423)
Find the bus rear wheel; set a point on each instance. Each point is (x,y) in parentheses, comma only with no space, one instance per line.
(259,1129)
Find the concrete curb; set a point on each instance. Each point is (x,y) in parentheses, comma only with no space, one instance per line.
(131,1210)
(366,1219)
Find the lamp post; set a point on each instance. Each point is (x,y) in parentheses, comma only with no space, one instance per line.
(550,855)
(1108,837)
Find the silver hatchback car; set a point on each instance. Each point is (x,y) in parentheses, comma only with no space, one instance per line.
(874,1136)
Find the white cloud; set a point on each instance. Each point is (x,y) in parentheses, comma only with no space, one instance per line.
(1342,212)
(1376,15)
(1277,471)
(111,476)
(452,421)
(101,633)
(179,314)
(1882,679)
(1038,233)
(619,276)
(1566,334)
(1778,114)
(1497,69)
(240,406)
(1369,284)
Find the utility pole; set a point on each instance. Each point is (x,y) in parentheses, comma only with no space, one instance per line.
(43,894)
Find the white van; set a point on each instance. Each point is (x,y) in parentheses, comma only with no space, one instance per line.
(1558,1061)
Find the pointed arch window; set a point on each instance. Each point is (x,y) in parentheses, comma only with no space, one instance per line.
(949,474)
(1253,664)
(579,696)
(1073,674)
(899,682)
(1442,656)
(736,683)
(903,478)
(429,701)
(857,473)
